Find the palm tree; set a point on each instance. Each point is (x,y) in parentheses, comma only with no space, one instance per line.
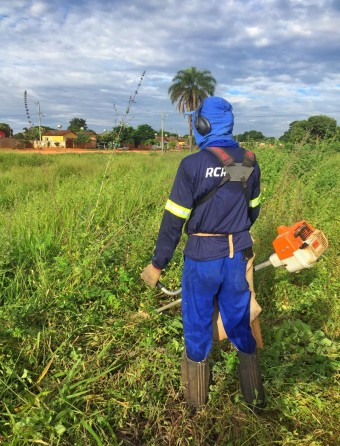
(189,88)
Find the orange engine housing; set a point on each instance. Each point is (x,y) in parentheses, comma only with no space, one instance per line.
(291,238)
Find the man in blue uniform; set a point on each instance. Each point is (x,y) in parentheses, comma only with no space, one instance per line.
(218,216)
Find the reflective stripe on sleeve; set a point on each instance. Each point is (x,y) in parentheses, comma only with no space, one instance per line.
(255,202)
(177,210)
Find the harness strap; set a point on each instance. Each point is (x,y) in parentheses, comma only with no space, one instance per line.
(233,172)
(206,234)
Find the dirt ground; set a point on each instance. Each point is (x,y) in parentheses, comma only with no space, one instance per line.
(49,151)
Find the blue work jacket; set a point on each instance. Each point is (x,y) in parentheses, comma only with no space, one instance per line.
(229,211)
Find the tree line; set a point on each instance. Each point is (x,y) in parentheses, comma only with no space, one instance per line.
(188,89)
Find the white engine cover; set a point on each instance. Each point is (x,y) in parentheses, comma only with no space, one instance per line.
(301,259)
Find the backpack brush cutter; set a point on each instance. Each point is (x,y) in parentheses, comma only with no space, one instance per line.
(296,247)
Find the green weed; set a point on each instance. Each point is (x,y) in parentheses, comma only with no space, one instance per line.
(84,357)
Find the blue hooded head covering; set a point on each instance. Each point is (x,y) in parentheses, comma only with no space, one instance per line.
(219,114)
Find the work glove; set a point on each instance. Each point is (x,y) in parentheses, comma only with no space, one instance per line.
(151,275)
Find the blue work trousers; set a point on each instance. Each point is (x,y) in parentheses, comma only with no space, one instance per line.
(224,278)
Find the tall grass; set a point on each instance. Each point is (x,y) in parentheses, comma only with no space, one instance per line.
(85,359)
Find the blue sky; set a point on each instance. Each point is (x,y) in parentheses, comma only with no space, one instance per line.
(276,61)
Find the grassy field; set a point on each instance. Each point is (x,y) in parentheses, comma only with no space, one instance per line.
(84,357)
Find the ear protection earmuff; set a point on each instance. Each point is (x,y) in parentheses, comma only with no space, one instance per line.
(202,125)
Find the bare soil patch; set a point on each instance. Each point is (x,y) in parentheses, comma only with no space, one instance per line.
(49,151)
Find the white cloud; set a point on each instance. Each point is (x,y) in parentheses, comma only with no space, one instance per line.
(38,8)
(83,56)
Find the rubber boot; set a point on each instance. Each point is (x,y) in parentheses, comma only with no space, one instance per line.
(250,380)
(195,380)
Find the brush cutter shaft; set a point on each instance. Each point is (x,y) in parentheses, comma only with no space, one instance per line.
(167,306)
(262,265)
(168,292)
(296,247)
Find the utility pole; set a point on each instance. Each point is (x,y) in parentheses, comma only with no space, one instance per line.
(162,131)
(39,116)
